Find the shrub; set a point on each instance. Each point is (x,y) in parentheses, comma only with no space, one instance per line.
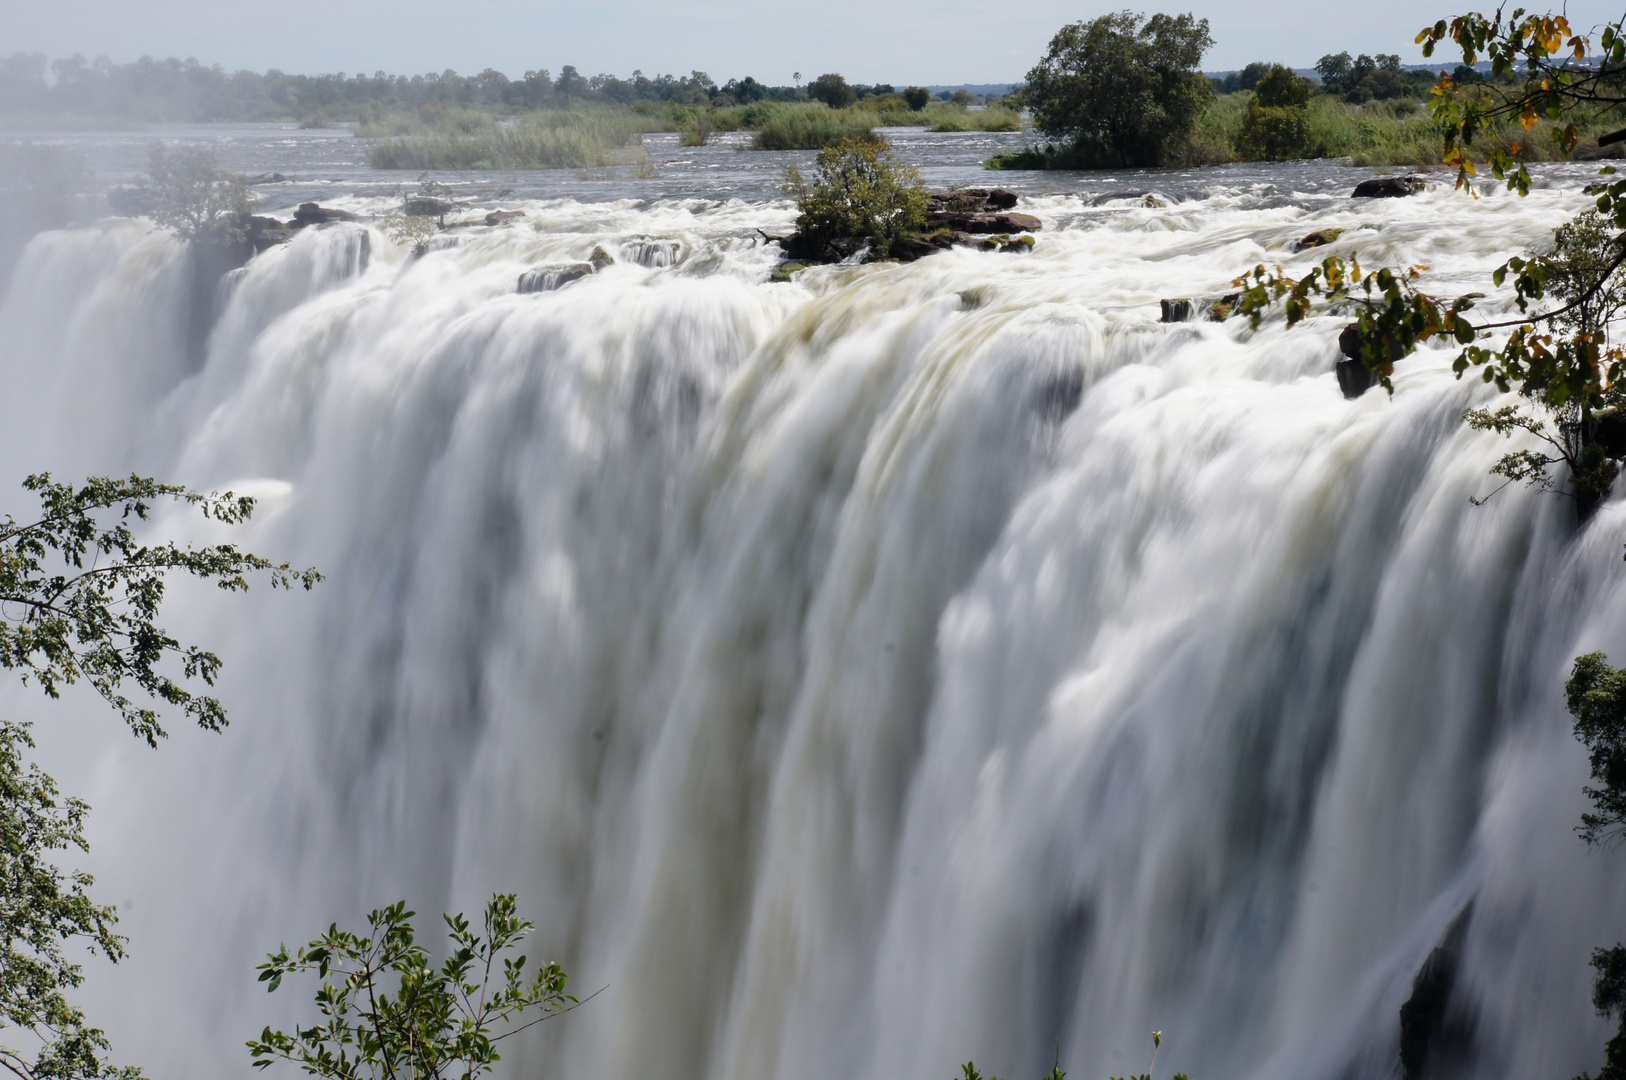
(918,97)
(861,193)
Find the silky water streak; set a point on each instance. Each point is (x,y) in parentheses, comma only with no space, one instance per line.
(857,675)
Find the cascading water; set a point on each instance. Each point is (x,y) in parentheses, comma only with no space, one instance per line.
(859,675)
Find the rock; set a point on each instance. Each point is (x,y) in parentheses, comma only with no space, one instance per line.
(970,200)
(783,272)
(1354,377)
(497,217)
(1610,433)
(548,278)
(269,178)
(424,206)
(1430,1030)
(1224,307)
(1388,187)
(1176,310)
(1152,202)
(265,233)
(652,251)
(1594,152)
(910,248)
(984,223)
(312,214)
(600,259)
(1319,238)
(1004,242)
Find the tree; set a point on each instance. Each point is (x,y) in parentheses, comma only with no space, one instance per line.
(1335,70)
(389,1014)
(1121,90)
(1276,125)
(79,600)
(191,194)
(833,90)
(862,194)
(1596,697)
(917,97)
(1248,78)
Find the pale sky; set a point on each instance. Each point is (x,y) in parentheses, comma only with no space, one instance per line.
(897,41)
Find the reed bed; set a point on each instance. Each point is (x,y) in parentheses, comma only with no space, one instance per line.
(548,140)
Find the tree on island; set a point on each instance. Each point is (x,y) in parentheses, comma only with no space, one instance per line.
(1121,90)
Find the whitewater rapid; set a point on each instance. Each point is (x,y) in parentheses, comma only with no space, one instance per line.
(857,675)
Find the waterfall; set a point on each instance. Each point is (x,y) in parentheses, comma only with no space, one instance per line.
(856,675)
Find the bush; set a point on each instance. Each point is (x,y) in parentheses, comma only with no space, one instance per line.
(917,97)
(861,193)
(1122,91)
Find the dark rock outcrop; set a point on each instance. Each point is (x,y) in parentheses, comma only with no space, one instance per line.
(1354,377)
(1388,187)
(600,259)
(1609,432)
(970,201)
(1594,152)
(984,223)
(265,232)
(497,217)
(1176,310)
(424,206)
(1432,1034)
(1185,308)
(312,214)
(1224,307)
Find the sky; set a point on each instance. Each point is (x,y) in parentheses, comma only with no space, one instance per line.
(896,41)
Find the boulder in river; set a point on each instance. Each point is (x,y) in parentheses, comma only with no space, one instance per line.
(984,223)
(1319,238)
(970,201)
(549,278)
(1388,187)
(312,214)
(1176,310)
(424,206)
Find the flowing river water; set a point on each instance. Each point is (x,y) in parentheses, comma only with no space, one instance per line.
(900,665)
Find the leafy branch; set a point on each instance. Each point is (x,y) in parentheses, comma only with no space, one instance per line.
(389,1014)
(80,594)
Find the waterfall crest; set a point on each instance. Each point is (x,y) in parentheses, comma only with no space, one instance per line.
(863,674)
